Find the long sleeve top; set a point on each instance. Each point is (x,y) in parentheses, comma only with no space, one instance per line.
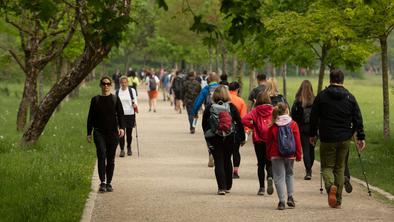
(202,96)
(104,115)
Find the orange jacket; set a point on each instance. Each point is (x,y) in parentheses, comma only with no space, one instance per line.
(239,103)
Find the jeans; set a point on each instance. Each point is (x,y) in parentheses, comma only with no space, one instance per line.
(189,108)
(282,169)
(222,151)
(106,143)
(333,157)
(308,151)
(261,154)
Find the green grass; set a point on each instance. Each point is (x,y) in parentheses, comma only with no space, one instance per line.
(378,157)
(51,181)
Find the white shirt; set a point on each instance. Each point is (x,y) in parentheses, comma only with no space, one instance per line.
(125,98)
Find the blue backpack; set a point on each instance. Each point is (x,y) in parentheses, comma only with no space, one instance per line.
(286,142)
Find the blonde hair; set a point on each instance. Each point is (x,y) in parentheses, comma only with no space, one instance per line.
(279,109)
(122,78)
(221,94)
(305,94)
(263,98)
(272,87)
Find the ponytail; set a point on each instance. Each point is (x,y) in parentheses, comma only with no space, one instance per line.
(279,109)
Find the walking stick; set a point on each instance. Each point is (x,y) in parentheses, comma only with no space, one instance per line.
(321,181)
(362,168)
(136,137)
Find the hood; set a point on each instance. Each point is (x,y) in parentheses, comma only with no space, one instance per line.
(336,92)
(264,110)
(283,120)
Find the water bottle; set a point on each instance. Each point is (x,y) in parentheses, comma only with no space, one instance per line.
(194,122)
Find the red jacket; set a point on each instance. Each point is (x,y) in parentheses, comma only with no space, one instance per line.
(272,146)
(259,120)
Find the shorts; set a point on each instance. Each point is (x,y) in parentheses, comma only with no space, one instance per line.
(152,94)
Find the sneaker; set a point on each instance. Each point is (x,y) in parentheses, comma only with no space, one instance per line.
(129,153)
(227,191)
(235,175)
(290,202)
(261,191)
(192,130)
(102,188)
(109,188)
(281,206)
(210,161)
(122,153)
(221,192)
(270,188)
(332,196)
(348,185)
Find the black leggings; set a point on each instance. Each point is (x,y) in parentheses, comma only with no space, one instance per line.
(308,151)
(261,154)
(129,133)
(106,143)
(236,155)
(222,152)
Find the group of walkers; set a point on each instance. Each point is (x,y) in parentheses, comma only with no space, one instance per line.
(281,134)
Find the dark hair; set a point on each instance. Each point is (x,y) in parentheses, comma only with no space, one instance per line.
(221,94)
(205,72)
(177,72)
(337,76)
(261,77)
(263,98)
(279,109)
(223,77)
(105,77)
(305,94)
(233,86)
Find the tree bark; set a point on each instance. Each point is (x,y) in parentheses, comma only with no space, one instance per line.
(210,59)
(240,75)
(224,60)
(324,51)
(252,79)
(284,76)
(385,83)
(218,69)
(235,65)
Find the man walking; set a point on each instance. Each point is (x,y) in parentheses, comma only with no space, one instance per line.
(261,80)
(336,114)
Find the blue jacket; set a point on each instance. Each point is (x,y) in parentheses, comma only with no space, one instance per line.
(201,97)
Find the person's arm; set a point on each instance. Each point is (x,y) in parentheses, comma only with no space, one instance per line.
(314,118)
(295,112)
(297,138)
(120,113)
(237,118)
(205,119)
(91,117)
(199,100)
(358,126)
(247,120)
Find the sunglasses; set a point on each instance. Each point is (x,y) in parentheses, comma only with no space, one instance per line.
(105,83)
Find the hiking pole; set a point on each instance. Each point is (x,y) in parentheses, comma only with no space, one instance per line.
(321,181)
(136,137)
(362,168)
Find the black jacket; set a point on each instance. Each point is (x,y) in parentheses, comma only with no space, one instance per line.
(297,114)
(239,128)
(335,113)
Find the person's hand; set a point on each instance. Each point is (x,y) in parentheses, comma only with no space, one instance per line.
(360,145)
(312,140)
(121,132)
(89,138)
(243,143)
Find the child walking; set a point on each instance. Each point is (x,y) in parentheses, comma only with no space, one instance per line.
(284,145)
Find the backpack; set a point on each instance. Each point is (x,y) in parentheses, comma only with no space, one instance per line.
(152,83)
(208,98)
(177,85)
(204,81)
(220,120)
(286,141)
(306,116)
(131,94)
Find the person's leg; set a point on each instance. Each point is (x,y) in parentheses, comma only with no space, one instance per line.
(228,166)
(218,156)
(236,159)
(122,141)
(268,168)
(339,169)
(289,165)
(154,104)
(112,143)
(99,141)
(189,108)
(328,159)
(348,185)
(306,151)
(278,171)
(259,148)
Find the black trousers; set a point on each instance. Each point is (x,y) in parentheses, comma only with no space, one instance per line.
(236,155)
(106,143)
(308,151)
(222,151)
(262,161)
(130,123)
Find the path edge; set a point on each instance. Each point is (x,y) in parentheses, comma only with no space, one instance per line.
(91,200)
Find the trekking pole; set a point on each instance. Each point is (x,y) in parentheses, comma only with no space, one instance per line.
(362,168)
(136,137)
(321,181)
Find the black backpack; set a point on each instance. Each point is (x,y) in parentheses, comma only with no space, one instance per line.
(306,115)
(152,83)
(177,84)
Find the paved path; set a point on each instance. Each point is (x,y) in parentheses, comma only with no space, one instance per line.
(170,181)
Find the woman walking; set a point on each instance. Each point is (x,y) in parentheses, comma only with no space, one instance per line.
(152,85)
(105,119)
(259,119)
(273,92)
(191,89)
(283,134)
(220,122)
(300,112)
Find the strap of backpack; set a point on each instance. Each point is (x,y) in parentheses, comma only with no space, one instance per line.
(131,95)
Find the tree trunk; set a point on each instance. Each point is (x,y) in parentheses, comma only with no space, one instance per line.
(252,79)
(273,72)
(29,98)
(322,68)
(224,60)
(218,69)
(284,76)
(235,65)
(385,83)
(240,75)
(210,59)
(90,58)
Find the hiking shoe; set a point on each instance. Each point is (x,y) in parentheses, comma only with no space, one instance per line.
(102,188)
(332,196)
(338,205)
(122,153)
(192,130)
(281,206)
(210,161)
(227,191)
(109,188)
(290,202)
(129,153)
(221,192)
(348,185)
(261,191)
(270,188)
(235,175)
